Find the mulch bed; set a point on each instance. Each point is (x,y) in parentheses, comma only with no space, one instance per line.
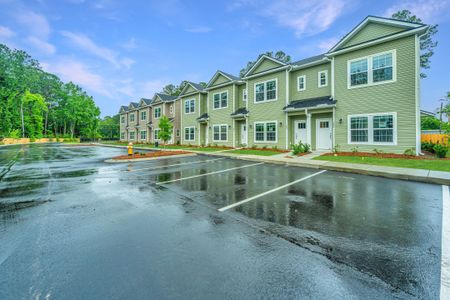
(383,155)
(197,146)
(151,154)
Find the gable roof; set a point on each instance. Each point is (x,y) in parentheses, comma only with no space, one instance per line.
(123,109)
(260,61)
(230,77)
(373,19)
(165,97)
(145,102)
(195,86)
(133,105)
(310,61)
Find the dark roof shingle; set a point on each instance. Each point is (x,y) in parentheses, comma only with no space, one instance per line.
(240,111)
(166,97)
(311,102)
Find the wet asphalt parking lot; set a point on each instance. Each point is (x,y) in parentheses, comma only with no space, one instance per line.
(72,226)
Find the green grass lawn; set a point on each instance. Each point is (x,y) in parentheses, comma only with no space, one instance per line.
(427,164)
(254,152)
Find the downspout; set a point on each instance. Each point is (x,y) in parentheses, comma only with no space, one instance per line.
(417,92)
(287,103)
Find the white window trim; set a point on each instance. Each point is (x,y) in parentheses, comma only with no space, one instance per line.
(265,140)
(326,78)
(220,100)
(122,135)
(143,119)
(134,117)
(220,132)
(184,107)
(134,137)
(155,136)
(122,120)
(370,129)
(171,109)
(184,133)
(140,135)
(298,83)
(160,112)
(177,132)
(370,70)
(244,95)
(265,91)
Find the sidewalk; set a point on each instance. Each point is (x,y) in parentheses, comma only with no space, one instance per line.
(428,176)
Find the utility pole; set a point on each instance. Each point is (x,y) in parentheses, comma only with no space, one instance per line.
(440,114)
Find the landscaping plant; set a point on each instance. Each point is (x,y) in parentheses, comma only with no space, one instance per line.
(440,150)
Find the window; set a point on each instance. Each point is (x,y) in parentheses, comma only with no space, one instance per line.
(122,135)
(122,119)
(157,113)
(373,129)
(156,134)
(301,83)
(244,95)
(189,133)
(171,109)
(220,132)
(189,106)
(178,132)
(374,69)
(323,78)
(143,135)
(301,125)
(143,115)
(266,91)
(132,135)
(266,131)
(131,117)
(220,100)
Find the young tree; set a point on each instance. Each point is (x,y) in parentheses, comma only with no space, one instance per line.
(280,55)
(165,129)
(427,43)
(430,123)
(34,108)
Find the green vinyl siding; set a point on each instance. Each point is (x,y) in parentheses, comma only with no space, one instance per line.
(371,31)
(190,120)
(189,90)
(268,111)
(240,96)
(221,115)
(265,65)
(219,80)
(312,88)
(398,96)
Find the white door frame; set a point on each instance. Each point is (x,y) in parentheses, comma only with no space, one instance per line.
(244,136)
(317,132)
(296,140)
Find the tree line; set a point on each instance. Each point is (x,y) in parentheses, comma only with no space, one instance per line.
(36,104)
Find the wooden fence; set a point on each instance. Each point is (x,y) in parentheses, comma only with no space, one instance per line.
(436,138)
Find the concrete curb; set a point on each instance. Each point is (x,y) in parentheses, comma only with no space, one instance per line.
(118,161)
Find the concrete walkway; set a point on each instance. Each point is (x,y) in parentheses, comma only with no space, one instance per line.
(428,176)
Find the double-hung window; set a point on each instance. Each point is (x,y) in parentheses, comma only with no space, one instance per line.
(122,135)
(244,95)
(143,135)
(373,129)
(122,120)
(301,83)
(171,109)
(157,113)
(156,134)
(322,78)
(189,133)
(373,69)
(132,117)
(266,131)
(220,132)
(220,100)
(266,91)
(143,115)
(132,135)
(189,106)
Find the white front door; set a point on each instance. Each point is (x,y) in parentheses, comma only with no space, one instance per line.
(323,134)
(300,132)
(243,134)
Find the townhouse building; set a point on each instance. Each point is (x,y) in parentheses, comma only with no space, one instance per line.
(363,94)
(165,105)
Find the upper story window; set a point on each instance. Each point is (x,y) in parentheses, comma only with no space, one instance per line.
(157,113)
(301,83)
(220,100)
(189,106)
(374,69)
(132,117)
(143,115)
(171,109)
(122,119)
(266,91)
(323,78)
(244,95)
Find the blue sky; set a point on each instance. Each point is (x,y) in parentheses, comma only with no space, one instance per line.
(120,51)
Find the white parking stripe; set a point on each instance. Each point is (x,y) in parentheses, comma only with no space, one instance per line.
(210,173)
(445,256)
(175,165)
(270,191)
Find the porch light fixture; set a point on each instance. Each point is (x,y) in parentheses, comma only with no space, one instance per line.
(340,121)
(250,126)
(281,124)
(229,126)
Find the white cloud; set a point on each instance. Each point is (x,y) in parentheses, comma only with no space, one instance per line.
(6,33)
(88,45)
(430,11)
(199,29)
(41,45)
(327,44)
(148,88)
(36,24)
(130,44)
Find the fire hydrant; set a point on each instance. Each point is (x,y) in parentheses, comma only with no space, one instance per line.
(130,148)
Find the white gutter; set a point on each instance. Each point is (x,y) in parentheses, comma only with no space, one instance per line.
(314,63)
(267,72)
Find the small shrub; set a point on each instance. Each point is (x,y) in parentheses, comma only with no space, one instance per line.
(410,151)
(441,151)
(15,134)
(254,147)
(50,139)
(178,143)
(378,151)
(215,145)
(306,148)
(427,146)
(275,148)
(264,147)
(355,149)
(32,140)
(336,148)
(300,148)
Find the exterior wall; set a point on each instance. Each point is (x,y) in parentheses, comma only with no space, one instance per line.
(268,111)
(240,98)
(312,83)
(132,124)
(143,125)
(220,79)
(267,64)
(155,121)
(190,119)
(371,31)
(398,96)
(177,121)
(221,116)
(123,127)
